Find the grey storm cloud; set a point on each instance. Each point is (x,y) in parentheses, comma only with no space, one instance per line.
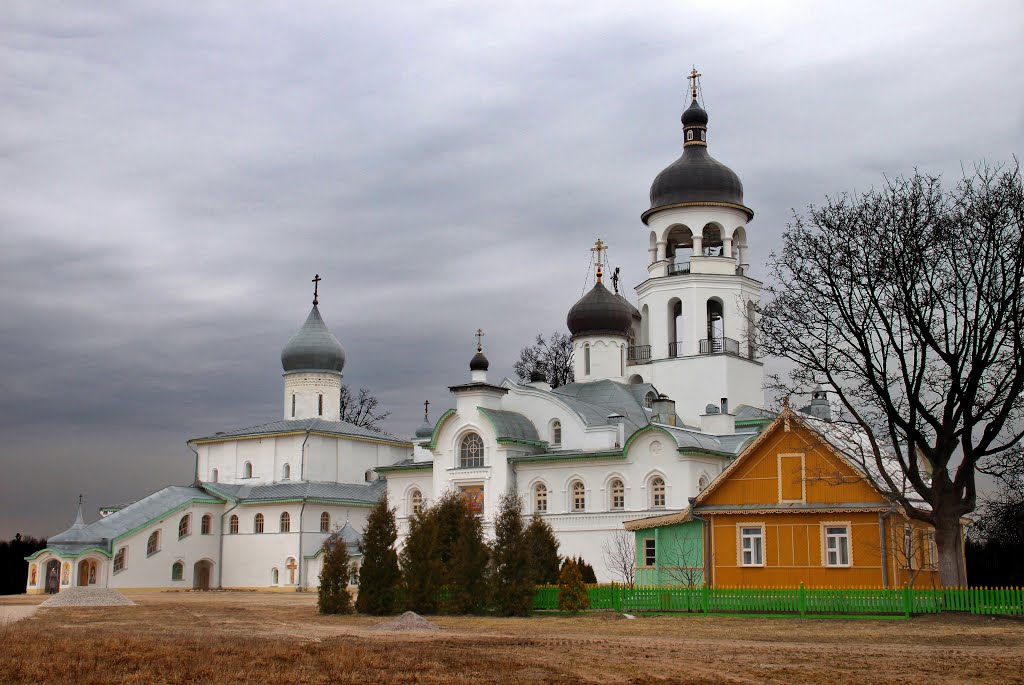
(173,174)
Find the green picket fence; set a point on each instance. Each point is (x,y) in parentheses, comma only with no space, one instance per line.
(796,600)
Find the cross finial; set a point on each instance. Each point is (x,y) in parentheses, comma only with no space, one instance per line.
(599,247)
(479,340)
(316,289)
(79,500)
(694,75)
(615,280)
(426,407)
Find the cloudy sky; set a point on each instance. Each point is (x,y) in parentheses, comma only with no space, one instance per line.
(173,174)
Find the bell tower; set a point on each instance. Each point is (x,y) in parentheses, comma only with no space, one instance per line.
(697,340)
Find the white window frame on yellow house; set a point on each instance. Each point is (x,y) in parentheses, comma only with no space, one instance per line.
(933,550)
(739,544)
(848,526)
(803,476)
(910,557)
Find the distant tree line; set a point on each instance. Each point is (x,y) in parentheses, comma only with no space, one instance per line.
(13,567)
(995,544)
(447,566)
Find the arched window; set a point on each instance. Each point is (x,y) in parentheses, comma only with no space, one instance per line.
(716,327)
(618,495)
(540,498)
(92,573)
(153,543)
(622,360)
(751,330)
(711,242)
(215,476)
(675,328)
(247,470)
(257,524)
(415,501)
(325,522)
(579,496)
(368,475)
(275,576)
(471,452)
(689,135)
(177,571)
(286,522)
(293,405)
(649,400)
(702,483)
(286,472)
(185,526)
(233,525)
(206,525)
(120,559)
(320,405)
(586,359)
(556,432)
(657,492)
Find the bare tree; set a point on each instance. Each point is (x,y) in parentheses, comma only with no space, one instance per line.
(909,302)
(619,552)
(362,409)
(680,557)
(553,354)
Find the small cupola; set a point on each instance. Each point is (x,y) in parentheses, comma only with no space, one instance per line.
(313,361)
(600,324)
(426,430)
(478,365)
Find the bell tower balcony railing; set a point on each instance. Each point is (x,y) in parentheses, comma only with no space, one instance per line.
(720,346)
(638,354)
(677,269)
(641,354)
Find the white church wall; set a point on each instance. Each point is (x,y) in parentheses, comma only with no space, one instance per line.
(607,355)
(346,460)
(541,409)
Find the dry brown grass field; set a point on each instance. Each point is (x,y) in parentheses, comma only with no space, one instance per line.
(278,638)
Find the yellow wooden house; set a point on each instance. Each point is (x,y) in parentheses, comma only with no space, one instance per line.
(800,505)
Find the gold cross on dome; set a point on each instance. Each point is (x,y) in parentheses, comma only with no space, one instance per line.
(599,247)
(316,289)
(479,344)
(694,75)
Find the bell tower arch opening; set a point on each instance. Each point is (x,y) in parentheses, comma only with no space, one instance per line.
(678,249)
(675,327)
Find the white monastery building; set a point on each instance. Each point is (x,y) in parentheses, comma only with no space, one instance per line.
(666,394)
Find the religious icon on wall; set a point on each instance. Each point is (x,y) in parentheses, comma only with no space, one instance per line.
(32,574)
(474,497)
(65,574)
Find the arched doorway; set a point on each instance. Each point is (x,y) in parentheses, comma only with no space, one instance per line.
(86,572)
(52,576)
(202,572)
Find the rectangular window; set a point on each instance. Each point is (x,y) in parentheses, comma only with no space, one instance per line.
(650,556)
(320,405)
(837,546)
(293,406)
(752,546)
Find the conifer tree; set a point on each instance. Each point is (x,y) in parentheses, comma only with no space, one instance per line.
(422,569)
(543,547)
(512,583)
(466,573)
(333,596)
(379,577)
(572,593)
(586,571)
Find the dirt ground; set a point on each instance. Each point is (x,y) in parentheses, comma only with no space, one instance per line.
(259,638)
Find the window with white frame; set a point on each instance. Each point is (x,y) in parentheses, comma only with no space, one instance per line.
(471,451)
(649,400)
(556,432)
(579,496)
(751,546)
(185,526)
(257,523)
(702,483)
(286,472)
(286,522)
(837,545)
(586,359)
(618,495)
(416,501)
(233,524)
(650,552)
(120,559)
(657,492)
(247,470)
(153,543)
(540,498)
(325,522)
(216,475)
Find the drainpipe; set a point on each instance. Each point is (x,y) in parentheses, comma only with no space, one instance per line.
(298,559)
(220,553)
(705,529)
(302,459)
(195,478)
(882,545)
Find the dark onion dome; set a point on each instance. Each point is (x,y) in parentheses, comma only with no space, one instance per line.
(479,361)
(425,430)
(600,312)
(632,310)
(313,348)
(696,178)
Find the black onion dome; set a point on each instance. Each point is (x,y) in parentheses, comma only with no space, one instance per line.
(632,310)
(313,348)
(425,430)
(599,312)
(479,362)
(696,177)
(694,115)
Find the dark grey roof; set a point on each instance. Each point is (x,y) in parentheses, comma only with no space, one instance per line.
(299,425)
(696,176)
(425,430)
(745,412)
(101,532)
(632,309)
(478,362)
(313,347)
(351,537)
(364,493)
(509,425)
(600,312)
(595,401)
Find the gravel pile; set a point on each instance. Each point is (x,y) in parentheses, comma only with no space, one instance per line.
(87,597)
(409,621)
